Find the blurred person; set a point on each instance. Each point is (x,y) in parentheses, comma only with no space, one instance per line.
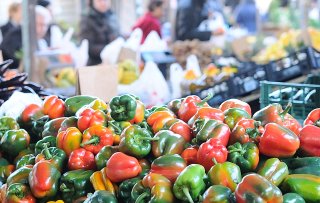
(15,14)
(99,27)
(190,14)
(246,15)
(11,45)
(150,21)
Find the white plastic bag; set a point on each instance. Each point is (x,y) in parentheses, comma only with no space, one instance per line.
(133,42)
(153,43)
(176,77)
(110,52)
(56,36)
(80,55)
(193,64)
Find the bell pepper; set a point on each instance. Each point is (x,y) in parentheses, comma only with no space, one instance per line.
(100,181)
(205,129)
(125,189)
(81,159)
(69,140)
(28,159)
(121,167)
(123,108)
(20,175)
(145,166)
(7,123)
(293,198)
(227,174)
(170,166)
(61,201)
(235,103)
(313,118)
(207,113)
(104,154)
(38,127)
(14,141)
(273,113)
(5,172)
(19,193)
(75,184)
(53,107)
(101,196)
(189,184)
(174,105)
(209,150)
(90,117)
(139,114)
(167,142)
(179,127)
(30,113)
(246,156)
(246,130)
(98,104)
(158,119)
(44,179)
(190,105)
(73,104)
(135,141)
(3,192)
(118,127)
(153,188)
(234,115)
(306,185)
(255,188)
(23,152)
(304,165)
(3,162)
(190,155)
(49,141)
(278,141)
(216,194)
(310,140)
(96,137)
(53,155)
(67,123)
(52,127)
(274,170)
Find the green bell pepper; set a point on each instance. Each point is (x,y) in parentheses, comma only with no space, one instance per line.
(49,141)
(28,159)
(217,194)
(174,105)
(73,104)
(5,172)
(135,141)
(101,196)
(190,184)
(14,141)
(75,184)
(38,127)
(123,108)
(54,155)
(71,121)
(19,192)
(125,189)
(118,127)
(3,162)
(293,198)
(306,185)
(104,154)
(7,123)
(234,115)
(20,175)
(246,156)
(304,165)
(52,127)
(274,170)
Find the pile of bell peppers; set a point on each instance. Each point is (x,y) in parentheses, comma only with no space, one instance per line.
(84,149)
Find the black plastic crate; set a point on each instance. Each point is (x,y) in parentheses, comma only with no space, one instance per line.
(313,57)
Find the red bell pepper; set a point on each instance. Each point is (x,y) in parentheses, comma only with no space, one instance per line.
(235,103)
(90,117)
(190,155)
(209,113)
(53,107)
(313,118)
(278,141)
(190,106)
(31,112)
(81,159)
(121,167)
(96,137)
(69,140)
(310,140)
(246,130)
(179,127)
(209,150)
(158,119)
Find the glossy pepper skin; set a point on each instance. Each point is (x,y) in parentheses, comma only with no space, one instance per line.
(227,174)
(158,119)
(5,172)
(293,198)
(139,114)
(179,127)
(246,156)
(53,107)
(207,113)
(313,118)
(125,189)
(7,123)
(273,113)
(44,179)
(255,188)
(100,181)
(234,115)
(104,154)
(20,175)
(209,150)
(96,137)
(81,159)
(304,165)
(49,141)
(189,184)
(73,104)
(167,142)
(246,130)
(28,159)
(306,185)
(123,108)
(53,155)
(235,103)
(14,141)
(121,167)
(38,127)
(205,129)
(278,141)
(75,184)
(190,155)
(89,117)
(190,106)
(135,141)
(101,196)
(146,166)
(30,113)
(19,193)
(153,188)
(169,165)
(274,170)
(67,123)
(69,140)
(310,140)
(217,194)
(52,127)
(174,105)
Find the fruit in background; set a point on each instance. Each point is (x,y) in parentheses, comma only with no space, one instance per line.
(211,70)
(190,75)
(128,71)
(229,70)
(66,77)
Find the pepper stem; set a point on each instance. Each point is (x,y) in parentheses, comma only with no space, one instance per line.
(237,150)
(141,197)
(120,109)
(286,110)
(63,188)
(18,191)
(46,151)
(210,95)
(94,140)
(149,138)
(214,161)
(115,127)
(185,190)
(317,123)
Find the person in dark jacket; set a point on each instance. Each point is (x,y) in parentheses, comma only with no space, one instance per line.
(15,14)
(246,15)
(99,27)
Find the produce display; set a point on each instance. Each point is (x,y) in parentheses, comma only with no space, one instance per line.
(85,150)
(128,72)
